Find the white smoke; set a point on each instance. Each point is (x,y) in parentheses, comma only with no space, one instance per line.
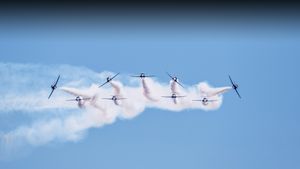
(146,91)
(25,88)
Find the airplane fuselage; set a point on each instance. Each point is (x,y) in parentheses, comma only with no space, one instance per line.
(142,75)
(115,99)
(80,101)
(235,86)
(174,98)
(204,101)
(53,87)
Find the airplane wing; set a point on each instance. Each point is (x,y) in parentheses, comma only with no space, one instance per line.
(145,76)
(169,75)
(207,100)
(238,93)
(86,98)
(50,94)
(107,98)
(230,80)
(167,96)
(121,98)
(103,84)
(114,76)
(71,100)
(57,80)
(180,96)
(180,84)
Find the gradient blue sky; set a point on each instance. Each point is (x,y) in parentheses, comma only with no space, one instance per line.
(259,131)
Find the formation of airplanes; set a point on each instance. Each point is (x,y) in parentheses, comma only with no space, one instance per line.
(174,96)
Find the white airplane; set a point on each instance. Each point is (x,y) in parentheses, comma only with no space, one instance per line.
(205,100)
(108,79)
(115,99)
(174,97)
(81,97)
(80,100)
(175,79)
(143,76)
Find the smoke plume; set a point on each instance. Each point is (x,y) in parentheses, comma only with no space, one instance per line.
(25,89)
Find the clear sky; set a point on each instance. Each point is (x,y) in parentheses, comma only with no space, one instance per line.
(261,130)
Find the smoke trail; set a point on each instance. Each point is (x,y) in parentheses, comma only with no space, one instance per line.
(146,91)
(173,87)
(25,88)
(117,88)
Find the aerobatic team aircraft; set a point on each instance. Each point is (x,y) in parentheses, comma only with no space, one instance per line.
(143,75)
(108,79)
(115,99)
(175,79)
(173,97)
(205,101)
(235,87)
(54,86)
(80,100)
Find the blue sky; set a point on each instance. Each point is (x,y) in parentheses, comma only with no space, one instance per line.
(259,131)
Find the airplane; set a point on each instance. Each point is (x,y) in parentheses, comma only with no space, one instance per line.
(115,99)
(205,101)
(175,79)
(174,97)
(235,87)
(54,86)
(108,79)
(143,75)
(80,100)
